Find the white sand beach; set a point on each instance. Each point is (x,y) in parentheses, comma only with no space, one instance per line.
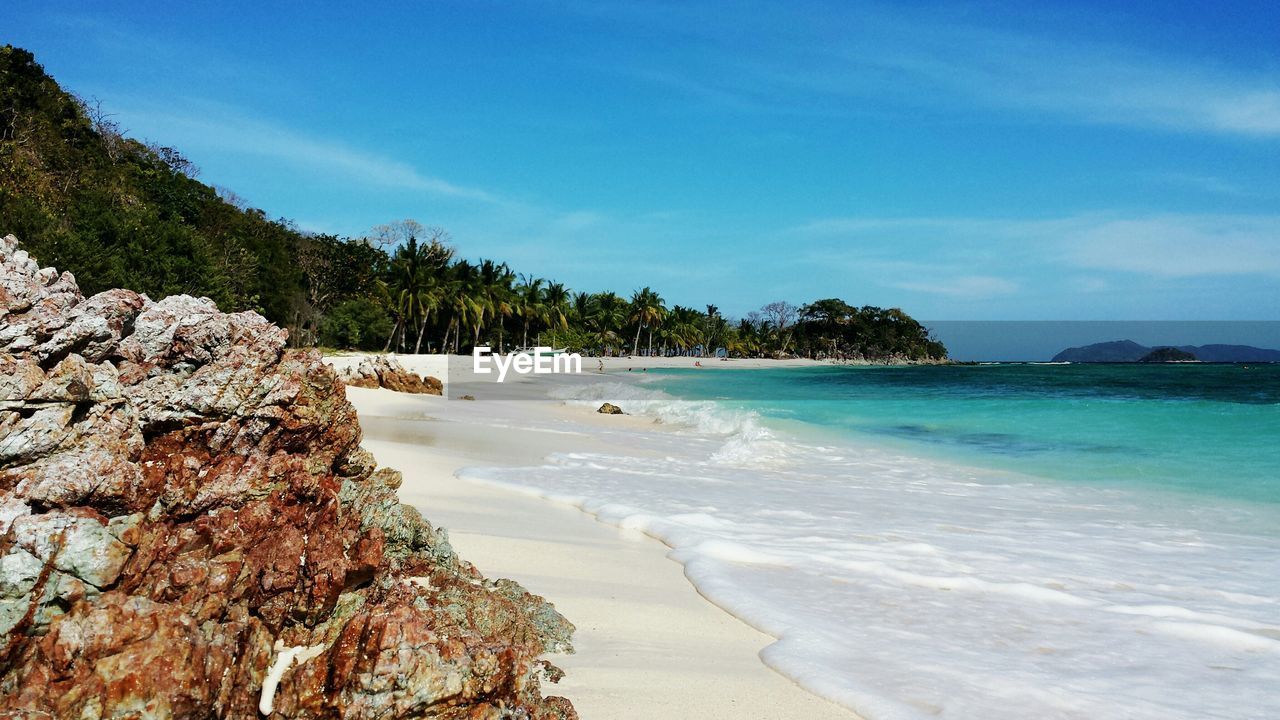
(648,645)
(437,365)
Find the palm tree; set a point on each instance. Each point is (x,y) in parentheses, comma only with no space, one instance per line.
(581,308)
(607,313)
(530,304)
(429,298)
(747,338)
(494,297)
(413,287)
(714,327)
(458,297)
(404,288)
(646,310)
(682,328)
(556,301)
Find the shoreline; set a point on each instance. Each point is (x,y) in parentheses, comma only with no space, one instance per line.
(436,364)
(926,557)
(648,644)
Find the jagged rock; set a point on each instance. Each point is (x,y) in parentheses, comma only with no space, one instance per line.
(387,372)
(184,504)
(610,409)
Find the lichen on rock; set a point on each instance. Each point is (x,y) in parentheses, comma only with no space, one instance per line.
(181,495)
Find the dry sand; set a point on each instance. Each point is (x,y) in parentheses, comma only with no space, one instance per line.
(648,645)
(437,365)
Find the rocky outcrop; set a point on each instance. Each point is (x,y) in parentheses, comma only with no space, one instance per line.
(387,372)
(610,409)
(190,529)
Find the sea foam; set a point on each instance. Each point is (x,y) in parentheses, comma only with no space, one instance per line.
(904,587)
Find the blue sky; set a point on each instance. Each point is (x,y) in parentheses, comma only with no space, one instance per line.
(1013,160)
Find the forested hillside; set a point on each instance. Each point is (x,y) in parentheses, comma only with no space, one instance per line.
(118,212)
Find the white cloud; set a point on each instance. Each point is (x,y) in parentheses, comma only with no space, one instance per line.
(1091,82)
(1204,183)
(900,58)
(1169,246)
(576,220)
(224,130)
(1088,284)
(1178,246)
(968,287)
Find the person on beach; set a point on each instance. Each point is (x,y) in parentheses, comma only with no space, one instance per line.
(601,368)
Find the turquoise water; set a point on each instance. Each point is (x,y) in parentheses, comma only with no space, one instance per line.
(999,542)
(1203,429)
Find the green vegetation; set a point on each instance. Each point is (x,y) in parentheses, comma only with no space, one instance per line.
(120,213)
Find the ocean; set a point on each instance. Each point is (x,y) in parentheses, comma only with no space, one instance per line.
(993,541)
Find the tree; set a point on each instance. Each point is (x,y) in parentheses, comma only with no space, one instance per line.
(397,233)
(356,324)
(682,329)
(607,313)
(828,312)
(646,311)
(460,294)
(780,316)
(414,285)
(556,299)
(530,304)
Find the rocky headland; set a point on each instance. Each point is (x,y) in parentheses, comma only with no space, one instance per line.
(189,528)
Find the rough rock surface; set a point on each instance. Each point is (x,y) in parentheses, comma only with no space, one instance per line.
(184,503)
(387,372)
(610,409)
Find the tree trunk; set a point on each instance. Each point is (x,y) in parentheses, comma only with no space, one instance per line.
(524,341)
(391,337)
(422,330)
(635,345)
(650,350)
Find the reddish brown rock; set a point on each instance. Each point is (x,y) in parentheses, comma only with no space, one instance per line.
(387,372)
(184,503)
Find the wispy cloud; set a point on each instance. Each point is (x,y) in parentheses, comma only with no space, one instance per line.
(217,128)
(902,59)
(1179,246)
(1169,246)
(1088,81)
(1211,185)
(968,287)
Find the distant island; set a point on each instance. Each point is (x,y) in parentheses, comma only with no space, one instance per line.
(1168,354)
(1130,351)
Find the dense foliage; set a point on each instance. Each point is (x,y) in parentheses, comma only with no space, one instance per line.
(120,213)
